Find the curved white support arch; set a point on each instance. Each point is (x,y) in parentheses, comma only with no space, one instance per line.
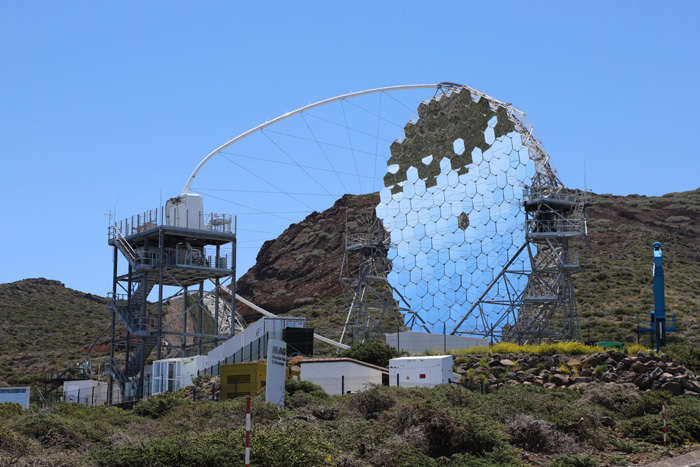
(304,109)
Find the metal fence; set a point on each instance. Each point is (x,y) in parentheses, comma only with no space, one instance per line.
(338,385)
(255,350)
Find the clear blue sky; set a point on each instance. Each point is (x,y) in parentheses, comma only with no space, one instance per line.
(112,104)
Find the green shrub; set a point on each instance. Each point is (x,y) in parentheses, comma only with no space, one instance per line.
(374,401)
(158,406)
(10,409)
(303,393)
(687,355)
(375,353)
(173,451)
(56,430)
(678,219)
(292,386)
(501,456)
(682,418)
(294,445)
(13,443)
(104,414)
(625,446)
(613,397)
(399,455)
(600,369)
(444,431)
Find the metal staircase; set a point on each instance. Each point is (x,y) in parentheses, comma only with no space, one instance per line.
(137,323)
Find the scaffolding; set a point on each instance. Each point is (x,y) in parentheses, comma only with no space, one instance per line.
(369,299)
(555,231)
(173,246)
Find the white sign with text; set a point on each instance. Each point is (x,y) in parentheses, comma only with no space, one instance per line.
(276,369)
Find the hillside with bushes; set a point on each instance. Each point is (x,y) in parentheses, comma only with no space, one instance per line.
(599,424)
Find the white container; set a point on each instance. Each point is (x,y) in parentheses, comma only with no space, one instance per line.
(185,211)
(408,372)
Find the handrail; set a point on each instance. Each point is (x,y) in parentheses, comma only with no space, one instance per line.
(126,247)
(153,218)
(135,323)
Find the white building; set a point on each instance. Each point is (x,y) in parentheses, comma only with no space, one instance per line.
(172,374)
(341,375)
(408,372)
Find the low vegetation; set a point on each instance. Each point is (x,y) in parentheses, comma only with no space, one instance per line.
(443,426)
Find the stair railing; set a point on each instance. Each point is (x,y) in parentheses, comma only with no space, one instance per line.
(123,245)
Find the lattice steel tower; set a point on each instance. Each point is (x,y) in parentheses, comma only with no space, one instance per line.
(177,246)
(368,294)
(555,230)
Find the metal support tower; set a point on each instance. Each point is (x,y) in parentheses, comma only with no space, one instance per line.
(369,295)
(555,230)
(163,249)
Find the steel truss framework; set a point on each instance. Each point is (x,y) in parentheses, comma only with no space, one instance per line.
(369,297)
(546,309)
(159,255)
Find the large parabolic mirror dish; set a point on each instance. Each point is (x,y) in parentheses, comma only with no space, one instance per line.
(455,190)
(453,202)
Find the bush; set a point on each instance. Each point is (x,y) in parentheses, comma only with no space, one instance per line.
(445,432)
(568,348)
(633,349)
(303,393)
(535,435)
(294,445)
(374,401)
(682,418)
(56,430)
(173,451)
(600,369)
(613,397)
(13,443)
(10,409)
(158,406)
(399,455)
(293,386)
(375,353)
(687,355)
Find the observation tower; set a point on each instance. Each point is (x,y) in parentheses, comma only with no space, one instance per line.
(177,246)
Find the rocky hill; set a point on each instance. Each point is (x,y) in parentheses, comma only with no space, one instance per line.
(303,264)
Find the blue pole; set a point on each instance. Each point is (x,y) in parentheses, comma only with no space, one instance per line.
(659,296)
